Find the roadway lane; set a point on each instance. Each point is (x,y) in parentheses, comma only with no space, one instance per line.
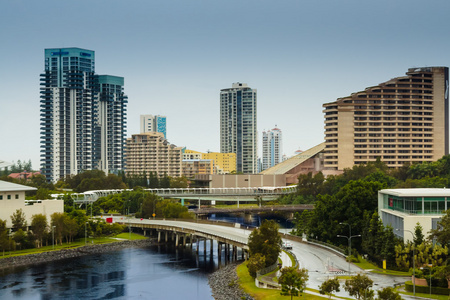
(323,264)
(320,262)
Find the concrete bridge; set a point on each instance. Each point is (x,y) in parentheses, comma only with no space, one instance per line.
(212,194)
(283,208)
(229,236)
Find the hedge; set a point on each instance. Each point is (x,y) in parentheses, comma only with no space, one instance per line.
(426,289)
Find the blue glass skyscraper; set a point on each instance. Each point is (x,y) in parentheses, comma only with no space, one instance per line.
(78,111)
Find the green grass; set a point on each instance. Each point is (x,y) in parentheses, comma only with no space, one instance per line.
(247,283)
(75,244)
(366,265)
(432,296)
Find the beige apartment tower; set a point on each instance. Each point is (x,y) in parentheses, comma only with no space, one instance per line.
(403,120)
(151,152)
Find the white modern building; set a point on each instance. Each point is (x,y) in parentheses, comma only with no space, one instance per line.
(272,148)
(12,198)
(83,115)
(151,123)
(403,208)
(238,130)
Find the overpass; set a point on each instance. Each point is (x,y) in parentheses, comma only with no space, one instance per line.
(183,232)
(212,194)
(269,208)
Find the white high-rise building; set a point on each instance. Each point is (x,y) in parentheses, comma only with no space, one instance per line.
(238,133)
(272,148)
(151,123)
(83,115)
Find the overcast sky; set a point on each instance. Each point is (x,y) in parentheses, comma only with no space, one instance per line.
(176,55)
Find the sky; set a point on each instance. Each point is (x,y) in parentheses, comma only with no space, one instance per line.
(176,56)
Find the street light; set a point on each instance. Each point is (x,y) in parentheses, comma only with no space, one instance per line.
(53,237)
(414,260)
(349,247)
(85,233)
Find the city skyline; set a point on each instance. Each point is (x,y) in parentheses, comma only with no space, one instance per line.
(176,56)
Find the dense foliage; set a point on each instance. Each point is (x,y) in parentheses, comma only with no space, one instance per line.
(266,241)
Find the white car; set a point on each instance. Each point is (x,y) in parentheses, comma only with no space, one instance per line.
(287,245)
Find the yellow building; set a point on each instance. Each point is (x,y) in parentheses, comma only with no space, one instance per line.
(224,163)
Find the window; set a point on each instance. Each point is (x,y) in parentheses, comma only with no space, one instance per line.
(1,197)
(17,196)
(9,197)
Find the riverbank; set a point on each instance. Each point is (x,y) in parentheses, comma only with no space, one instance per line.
(224,284)
(45,257)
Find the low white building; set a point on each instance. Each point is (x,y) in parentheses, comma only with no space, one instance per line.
(12,198)
(403,208)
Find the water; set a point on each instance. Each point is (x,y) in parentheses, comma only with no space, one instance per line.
(157,272)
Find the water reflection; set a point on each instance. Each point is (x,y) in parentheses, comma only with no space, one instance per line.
(158,272)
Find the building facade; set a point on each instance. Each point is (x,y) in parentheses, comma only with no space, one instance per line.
(238,126)
(83,115)
(224,163)
(403,120)
(192,167)
(272,148)
(151,123)
(151,152)
(402,209)
(12,198)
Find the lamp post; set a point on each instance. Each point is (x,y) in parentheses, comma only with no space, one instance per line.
(85,233)
(349,234)
(414,260)
(53,237)
(349,238)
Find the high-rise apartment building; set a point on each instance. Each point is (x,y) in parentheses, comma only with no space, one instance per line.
(151,152)
(83,115)
(224,163)
(238,131)
(272,148)
(403,120)
(151,123)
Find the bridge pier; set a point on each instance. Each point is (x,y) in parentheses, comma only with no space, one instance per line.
(184,240)
(167,236)
(235,252)
(176,239)
(159,236)
(212,247)
(219,251)
(204,247)
(198,243)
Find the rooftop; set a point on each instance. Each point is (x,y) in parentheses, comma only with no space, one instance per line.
(424,192)
(6,186)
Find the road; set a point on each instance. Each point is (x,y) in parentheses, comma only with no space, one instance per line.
(323,264)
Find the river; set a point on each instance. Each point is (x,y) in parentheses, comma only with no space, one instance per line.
(156,272)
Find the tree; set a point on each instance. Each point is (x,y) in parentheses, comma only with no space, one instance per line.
(255,263)
(19,220)
(4,239)
(267,241)
(39,228)
(418,234)
(359,286)
(442,233)
(293,281)
(389,293)
(329,286)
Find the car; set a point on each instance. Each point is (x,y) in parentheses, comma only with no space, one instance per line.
(287,245)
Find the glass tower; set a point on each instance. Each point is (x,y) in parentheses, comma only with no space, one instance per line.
(238,126)
(74,101)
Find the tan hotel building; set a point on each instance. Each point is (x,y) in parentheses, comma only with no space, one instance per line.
(403,120)
(151,152)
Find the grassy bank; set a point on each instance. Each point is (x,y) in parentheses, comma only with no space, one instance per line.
(247,283)
(75,244)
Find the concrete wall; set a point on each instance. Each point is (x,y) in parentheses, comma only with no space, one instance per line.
(246,180)
(46,207)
